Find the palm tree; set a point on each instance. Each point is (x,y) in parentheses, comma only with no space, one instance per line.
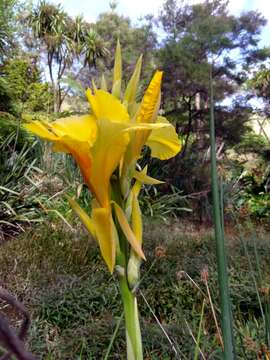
(64,40)
(48,23)
(94,48)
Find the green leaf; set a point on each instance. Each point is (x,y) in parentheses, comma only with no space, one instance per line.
(132,87)
(85,218)
(117,71)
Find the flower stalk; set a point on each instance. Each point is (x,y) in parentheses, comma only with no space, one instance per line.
(133,332)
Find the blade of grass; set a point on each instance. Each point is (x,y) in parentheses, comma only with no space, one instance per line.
(197,348)
(106,357)
(253,277)
(193,338)
(265,298)
(9,190)
(204,278)
(226,319)
(171,342)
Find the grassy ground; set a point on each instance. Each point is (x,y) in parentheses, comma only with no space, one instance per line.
(74,302)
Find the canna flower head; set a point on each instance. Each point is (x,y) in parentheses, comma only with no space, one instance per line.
(107,142)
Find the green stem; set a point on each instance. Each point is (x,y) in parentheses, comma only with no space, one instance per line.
(133,332)
(226,318)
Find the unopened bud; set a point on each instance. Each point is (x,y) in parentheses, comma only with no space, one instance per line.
(133,270)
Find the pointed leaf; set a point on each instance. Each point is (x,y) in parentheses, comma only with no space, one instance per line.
(134,242)
(85,218)
(103,83)
(131,90)
(117,71)
(145,179)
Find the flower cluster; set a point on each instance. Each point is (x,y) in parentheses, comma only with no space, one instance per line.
(106,144)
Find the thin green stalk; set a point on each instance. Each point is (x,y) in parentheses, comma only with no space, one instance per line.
(226,320)
(253,277)
(106,357)
(266,296)
(133,332)
(267,321)
(222,205)
(257,260)
(197,348)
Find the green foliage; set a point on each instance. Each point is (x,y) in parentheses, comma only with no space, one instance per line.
(7,103)
(251,143)
(20,73)
(18,200)
(253,196)
(8,126)
(249,173)
(39,98)
(23,90)
(155,204)
(258,205)
(261,82)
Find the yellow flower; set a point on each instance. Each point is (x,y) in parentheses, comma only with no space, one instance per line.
(111,137)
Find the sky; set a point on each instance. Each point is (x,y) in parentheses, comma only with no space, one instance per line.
(136,8)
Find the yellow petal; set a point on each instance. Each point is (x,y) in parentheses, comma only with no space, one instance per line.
(42,131)
(107,107)
(151,100)
(146,115)
(164,142)
(131,90)
(103,83)
(107,153)
(117,71)
(82,155)
(74,135)
(80,128)
(85,218)
(138,139)
(105,235)
(134,242)
(145,179)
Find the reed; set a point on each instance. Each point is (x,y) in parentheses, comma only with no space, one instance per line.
(226,316)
